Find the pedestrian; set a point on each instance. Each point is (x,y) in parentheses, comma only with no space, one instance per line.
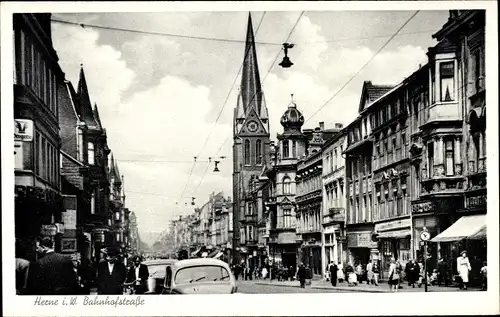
(442,268)
(376,272)
(138,275)
(53,274)
(484,277)
(22,268)
(412,272)
(301,275)
(463,268)
(264,272)
(369,272)
(111,274)
(333,273)
(340,273)
(394,275)
(359,272)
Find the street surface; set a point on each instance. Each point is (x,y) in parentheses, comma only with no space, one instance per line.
(251,287)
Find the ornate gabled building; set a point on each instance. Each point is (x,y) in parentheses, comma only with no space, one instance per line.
(37,76)
(250,145)
(117,206)
(281,208)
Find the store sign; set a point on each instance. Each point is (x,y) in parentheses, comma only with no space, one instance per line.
(360,240)
(391,225)
(69,219)
(423,207)
(23,130)
(48,230)
(287,237)
(476,201)
(68,245)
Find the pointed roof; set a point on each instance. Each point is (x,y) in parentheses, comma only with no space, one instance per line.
(372,92)
(251,89)
(114,172)
(85,105)
(97,118)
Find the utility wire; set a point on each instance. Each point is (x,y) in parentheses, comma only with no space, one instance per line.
(364,66)
(265,77)
(103,27)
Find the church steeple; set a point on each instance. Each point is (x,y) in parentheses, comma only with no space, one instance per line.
(251,90)
(85,104)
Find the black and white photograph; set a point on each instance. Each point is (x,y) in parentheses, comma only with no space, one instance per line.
(328,153)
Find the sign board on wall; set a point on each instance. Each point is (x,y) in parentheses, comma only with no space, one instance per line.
(394,224)
(68,245)
(48,230)
(69,219)
(360,240)
(23,130)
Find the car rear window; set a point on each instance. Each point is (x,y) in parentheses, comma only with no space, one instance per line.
(202,273)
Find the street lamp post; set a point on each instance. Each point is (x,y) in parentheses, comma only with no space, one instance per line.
(425,236)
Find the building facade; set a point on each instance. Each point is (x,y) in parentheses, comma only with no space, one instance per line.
(281,205)
(333,186)
(359,179)
(251,143)
(37,76)
(309,203)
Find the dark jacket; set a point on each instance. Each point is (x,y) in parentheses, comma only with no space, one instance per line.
(301,274)
(111,284)
(52,275)
(143,274)
(333,270)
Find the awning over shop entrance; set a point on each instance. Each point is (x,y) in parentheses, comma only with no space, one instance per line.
(394,234)
(466,227)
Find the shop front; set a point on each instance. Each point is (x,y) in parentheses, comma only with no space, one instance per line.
(311,253)
(394,239)
(360,246)
(332,246)
(283,249)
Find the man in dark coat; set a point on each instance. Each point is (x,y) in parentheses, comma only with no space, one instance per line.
(333,273)
(442,268)
(111,274)
(412,272)
(301,275)
(138,275)
(53,274)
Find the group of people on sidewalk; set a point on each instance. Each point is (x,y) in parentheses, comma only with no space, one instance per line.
(59,274)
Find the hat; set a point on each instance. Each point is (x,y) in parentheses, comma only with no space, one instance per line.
(111,252)
(463,252)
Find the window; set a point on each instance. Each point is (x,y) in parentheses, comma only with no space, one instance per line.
(430,158)
(433,85)
(92,204)
(449,157)
(447,75)
(258,152)
(250,209)
(286,150)
(287,185)
(18,155)
(247,152)
(202,274)
(287,218)
(91,154)
(476,71)
(294,148)
(43,159)
(250,233)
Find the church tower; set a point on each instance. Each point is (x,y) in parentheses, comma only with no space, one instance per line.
(251,138)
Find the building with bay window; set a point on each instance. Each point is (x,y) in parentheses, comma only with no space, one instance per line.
(37,76)
(333,217)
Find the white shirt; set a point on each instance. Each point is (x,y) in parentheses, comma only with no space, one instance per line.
(137,272)
(110,267)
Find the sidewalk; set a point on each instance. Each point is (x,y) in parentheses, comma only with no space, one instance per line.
(381,288)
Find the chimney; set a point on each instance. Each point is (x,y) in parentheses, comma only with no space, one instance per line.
(322,125)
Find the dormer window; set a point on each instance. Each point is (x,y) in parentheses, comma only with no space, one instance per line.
(91,153)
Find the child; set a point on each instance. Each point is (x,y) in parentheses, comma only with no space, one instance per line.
(484,272)
(433,278)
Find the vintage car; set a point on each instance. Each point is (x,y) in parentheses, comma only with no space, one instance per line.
(199,276)
(157,269)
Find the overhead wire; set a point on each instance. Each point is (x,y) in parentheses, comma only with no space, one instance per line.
(364,66)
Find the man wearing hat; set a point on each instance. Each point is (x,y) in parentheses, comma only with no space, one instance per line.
(111,274)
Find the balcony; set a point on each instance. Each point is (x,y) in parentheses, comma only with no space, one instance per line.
(443,111)
(450,185)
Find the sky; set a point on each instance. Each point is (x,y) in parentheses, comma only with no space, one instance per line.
(159,96)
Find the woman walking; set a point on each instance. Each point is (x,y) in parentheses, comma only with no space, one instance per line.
(463,268)
(394,276)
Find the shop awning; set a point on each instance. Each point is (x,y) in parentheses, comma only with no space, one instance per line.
(480,235)
(218,255)
(213,254)
(395,234)
(195,253)
(464,228)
